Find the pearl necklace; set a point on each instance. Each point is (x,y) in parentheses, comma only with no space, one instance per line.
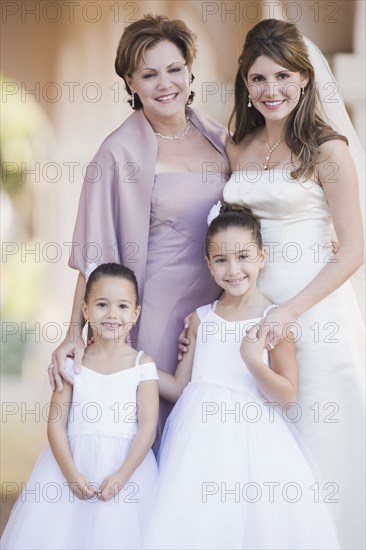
(270,151)
(179,136)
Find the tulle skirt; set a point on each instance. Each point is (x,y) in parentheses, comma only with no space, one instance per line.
(234,473)
(48,516)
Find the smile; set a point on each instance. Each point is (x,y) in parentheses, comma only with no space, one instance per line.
(273,104)
(111,325)
(235,281)
(166,98)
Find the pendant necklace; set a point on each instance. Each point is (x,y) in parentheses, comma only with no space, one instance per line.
(270,151)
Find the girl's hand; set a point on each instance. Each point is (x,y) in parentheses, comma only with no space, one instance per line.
(252,346)
(81,487)
(183,341)
(110,487)
(67,348)
(278,322)
(335,247)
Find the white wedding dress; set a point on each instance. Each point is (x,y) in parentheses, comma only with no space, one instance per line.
(296,230)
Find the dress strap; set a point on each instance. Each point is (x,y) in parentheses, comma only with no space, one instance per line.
(214,305)
(138,357)
(268,308)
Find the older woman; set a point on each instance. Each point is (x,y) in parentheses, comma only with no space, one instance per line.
(146,193)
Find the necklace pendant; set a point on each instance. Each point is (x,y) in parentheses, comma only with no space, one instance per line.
(270,151)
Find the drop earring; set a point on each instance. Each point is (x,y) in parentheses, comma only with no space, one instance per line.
(249,101)
(132,99)
(303,91)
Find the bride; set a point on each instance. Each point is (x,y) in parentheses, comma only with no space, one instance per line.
(297,174)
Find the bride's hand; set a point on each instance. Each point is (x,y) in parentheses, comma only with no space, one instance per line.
(279,321)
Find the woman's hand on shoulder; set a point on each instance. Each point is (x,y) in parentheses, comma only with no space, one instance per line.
(278,322)
(74,348)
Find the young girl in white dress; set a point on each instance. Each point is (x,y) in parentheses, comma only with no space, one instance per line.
(93,488)
(233,472)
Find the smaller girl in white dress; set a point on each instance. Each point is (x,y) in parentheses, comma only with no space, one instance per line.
(93,488)
(234,473)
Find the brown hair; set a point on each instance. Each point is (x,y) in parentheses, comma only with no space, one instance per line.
(111,270)
(147,32)
(306,127)
(234,215)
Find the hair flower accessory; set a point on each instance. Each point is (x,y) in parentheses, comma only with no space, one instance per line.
(89,270)
(214,212)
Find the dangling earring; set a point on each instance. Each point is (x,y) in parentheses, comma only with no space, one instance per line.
(191,93)
(249,101)
(303,91)
(132,99)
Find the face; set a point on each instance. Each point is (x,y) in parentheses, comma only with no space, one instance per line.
(111,308)
(235,261)
(162,80)
(275,91)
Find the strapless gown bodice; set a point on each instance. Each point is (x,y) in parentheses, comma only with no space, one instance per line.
(296,227)
(288,209)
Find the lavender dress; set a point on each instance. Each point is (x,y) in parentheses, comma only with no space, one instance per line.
(153,224)
(177,277)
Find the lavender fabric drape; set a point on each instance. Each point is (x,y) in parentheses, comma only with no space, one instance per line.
(154,224)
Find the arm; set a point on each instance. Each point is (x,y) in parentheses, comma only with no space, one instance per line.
(148,410)
(73,344)
(344,205)
(57,437)
(171,386)
(278,383)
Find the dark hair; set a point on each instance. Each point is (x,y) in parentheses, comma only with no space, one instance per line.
(111,270)
(234,215)
(145,33)
(306,127)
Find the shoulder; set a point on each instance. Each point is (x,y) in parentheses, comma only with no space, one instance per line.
(267,306)
(69,367)
(121,137)
(204,119)
(147,368)
(333,149)
(236,151)
(201,313)
(207,125)
(144,359)
(335,163)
